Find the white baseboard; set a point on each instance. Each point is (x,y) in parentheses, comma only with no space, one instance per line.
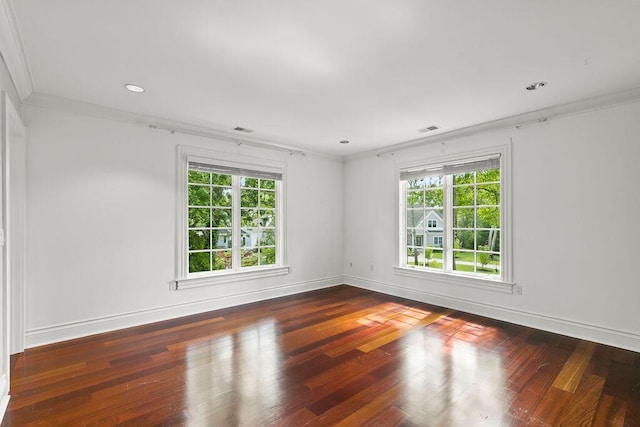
(617,338)
(47,335)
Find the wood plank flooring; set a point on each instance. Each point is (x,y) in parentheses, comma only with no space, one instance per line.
(340,356)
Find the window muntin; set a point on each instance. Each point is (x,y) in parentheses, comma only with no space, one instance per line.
(210,198)
(257,221)
(467,197)
(232,219)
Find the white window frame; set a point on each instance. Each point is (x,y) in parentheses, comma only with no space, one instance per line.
(185,279)
(437,239)
(504,282)
(432,221)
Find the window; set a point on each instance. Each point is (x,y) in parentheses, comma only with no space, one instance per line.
(231,217)
(469,195)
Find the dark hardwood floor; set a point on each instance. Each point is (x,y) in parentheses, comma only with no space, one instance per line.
(340,356)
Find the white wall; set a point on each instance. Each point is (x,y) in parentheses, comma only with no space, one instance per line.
(576,206)
(101,236)
(101,206)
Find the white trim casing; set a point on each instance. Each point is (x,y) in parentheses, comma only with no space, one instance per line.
(14,169)
(184,280)
(506,238)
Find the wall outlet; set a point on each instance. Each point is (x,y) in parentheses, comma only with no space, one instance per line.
(371,267)
(517,289)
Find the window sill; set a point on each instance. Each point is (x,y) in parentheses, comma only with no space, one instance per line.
(228,277)
(455,279)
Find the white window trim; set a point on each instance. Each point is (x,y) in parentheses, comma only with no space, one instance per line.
(504,283)
(184,279)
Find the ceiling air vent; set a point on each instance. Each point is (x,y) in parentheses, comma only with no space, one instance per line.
(428,129)
(241,129)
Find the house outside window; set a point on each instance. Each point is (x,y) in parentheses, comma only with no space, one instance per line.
(459,205)
(231,219)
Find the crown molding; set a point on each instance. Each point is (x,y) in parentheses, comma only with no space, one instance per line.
(162,124)
(13,52)
(516,122)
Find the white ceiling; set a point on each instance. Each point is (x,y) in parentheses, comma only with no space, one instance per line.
(311,73)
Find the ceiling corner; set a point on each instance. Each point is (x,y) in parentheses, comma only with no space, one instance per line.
(13,52)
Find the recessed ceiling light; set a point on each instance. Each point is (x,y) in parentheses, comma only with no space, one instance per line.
(344,142)
(536,85)
(134,88)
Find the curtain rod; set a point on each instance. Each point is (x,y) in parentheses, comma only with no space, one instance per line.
(225,138)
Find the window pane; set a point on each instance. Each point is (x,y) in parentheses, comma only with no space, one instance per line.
(415,256)
(415,183)
(221,179)
(199,261)
(463,178)
(249,257)
(267,199)
(464,239)
(221,239)
(415,199)
(221,196)
(463,217)
(221,218)
(433,258)
(488,240)
(221,260)
(249,237)
(434,239)
(414,217)
(490,175)
(463,196)
(488,194)
(433,198)
(268,184)
(433,181)
(268,238)
(464,262)
(248,217)
(199,195)
(488,217)
(267,256)
(198,217)
(267,218)
(199,177)
(198,239)
(249,182)
(249,198)
(486,264)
